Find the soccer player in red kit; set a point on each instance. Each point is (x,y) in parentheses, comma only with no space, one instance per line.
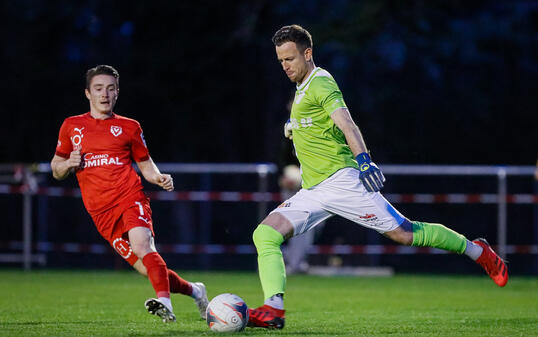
(99,147)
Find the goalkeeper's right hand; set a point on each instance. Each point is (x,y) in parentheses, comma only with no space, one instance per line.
(288,130)
(370,175)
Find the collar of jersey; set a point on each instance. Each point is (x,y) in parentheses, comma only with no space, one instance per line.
(308,79)
(89,115)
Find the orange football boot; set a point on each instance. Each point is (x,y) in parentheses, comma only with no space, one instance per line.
(266,317)
(492,263)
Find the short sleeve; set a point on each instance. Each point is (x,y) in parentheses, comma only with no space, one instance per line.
(139,151)
(327,94)
(64,146)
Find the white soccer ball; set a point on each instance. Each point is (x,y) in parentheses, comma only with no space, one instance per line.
(227,313)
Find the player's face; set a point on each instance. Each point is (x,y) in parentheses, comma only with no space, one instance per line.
(294,63)
(103,93)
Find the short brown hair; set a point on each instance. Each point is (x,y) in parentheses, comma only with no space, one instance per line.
(102,69)
(293,33)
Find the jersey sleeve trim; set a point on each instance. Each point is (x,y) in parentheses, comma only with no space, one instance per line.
(144,158)
(61,154)
(341,107)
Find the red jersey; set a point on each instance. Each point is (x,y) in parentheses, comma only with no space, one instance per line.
(108,148)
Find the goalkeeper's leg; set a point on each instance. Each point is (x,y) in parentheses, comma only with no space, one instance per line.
(268,237)
(424,234)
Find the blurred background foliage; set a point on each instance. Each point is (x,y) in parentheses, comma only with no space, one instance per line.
(427,82)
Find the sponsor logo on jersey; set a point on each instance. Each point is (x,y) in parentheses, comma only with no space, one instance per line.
(284,204)
(123,247)
(77,138)
(94,160)
(115,130)
(302,123)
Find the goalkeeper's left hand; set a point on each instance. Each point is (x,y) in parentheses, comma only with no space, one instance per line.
(369,174)
(288,130)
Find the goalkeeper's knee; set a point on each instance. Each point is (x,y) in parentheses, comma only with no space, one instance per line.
(266,239)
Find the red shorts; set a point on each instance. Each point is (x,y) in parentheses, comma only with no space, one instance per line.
(114,224)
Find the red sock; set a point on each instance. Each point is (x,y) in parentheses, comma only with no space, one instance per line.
(157,274)
(178,285)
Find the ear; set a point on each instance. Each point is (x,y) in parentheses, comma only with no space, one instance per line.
(308,54)
(87,92)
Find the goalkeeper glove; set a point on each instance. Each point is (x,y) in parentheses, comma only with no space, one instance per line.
(369,174)
(288,130)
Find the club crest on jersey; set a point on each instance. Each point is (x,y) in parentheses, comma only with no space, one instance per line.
(122,247)
(116,130)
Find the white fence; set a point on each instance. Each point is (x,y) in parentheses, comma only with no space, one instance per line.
(25,178)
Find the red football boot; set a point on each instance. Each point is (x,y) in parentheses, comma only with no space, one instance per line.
(266,317)
(492,263)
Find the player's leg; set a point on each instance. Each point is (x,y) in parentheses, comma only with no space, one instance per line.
(295,216)
(132,239)
(142,243)
(344,194)
(138,215)
(268,237)
(424,234)
(163,280)
(178,285)
(140,268)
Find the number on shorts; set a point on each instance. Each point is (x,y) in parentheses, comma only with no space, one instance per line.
(140,207)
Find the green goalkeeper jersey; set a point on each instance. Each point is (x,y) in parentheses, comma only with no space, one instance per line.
(319,144)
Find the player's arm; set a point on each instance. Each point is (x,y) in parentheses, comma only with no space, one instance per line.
(343,120)
(370,174)
(151,173)
(61,167)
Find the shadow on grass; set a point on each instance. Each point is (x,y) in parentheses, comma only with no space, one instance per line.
(54,323)
(247,332)
(241,333)
(501,321)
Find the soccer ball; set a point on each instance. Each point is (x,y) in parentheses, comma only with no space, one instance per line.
(227,313)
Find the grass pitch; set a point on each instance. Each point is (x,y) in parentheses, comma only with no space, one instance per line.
(103,303)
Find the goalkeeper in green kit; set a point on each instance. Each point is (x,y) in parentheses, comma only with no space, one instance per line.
(339,178)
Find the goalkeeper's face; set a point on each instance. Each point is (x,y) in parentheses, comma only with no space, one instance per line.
(294,62)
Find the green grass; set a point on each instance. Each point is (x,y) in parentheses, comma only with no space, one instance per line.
(102,303)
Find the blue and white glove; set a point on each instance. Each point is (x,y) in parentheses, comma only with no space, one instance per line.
(369,174)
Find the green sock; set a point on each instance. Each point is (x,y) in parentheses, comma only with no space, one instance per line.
(437,236)
(270,262)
